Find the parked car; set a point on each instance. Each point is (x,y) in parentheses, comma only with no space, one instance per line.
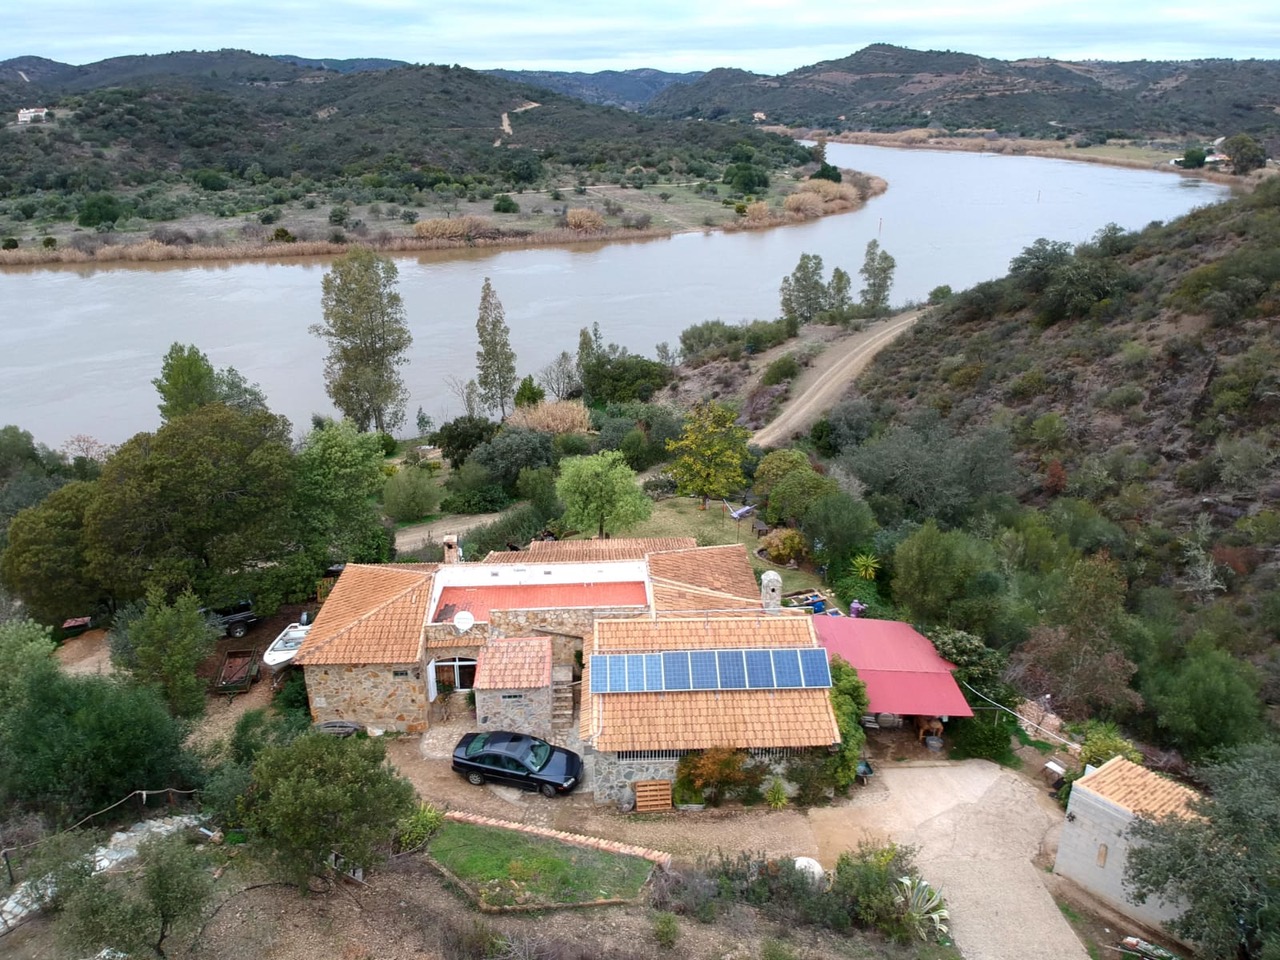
(236,619)
(517,760)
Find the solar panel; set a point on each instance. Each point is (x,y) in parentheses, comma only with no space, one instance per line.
(617,674)
(733,671)
(702,664)
(813,664)
(675,669)
(710,670)
(759,669)
(599,674)
(635,673)
(653,671)
(786,668)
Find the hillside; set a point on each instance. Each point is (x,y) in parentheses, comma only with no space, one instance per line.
(883,87)
(1118,402)
(628,89)
(140,123)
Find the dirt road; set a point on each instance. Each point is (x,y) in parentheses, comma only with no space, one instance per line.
(417,536)
(821,385)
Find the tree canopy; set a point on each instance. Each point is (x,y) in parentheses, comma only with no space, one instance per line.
(187,380)
(877,276)
(1223,866)
(600,493)
(321,795)
(368,336)
(495,360)
(709,453)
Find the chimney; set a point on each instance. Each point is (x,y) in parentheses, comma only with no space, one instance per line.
(771,591)
(452,553)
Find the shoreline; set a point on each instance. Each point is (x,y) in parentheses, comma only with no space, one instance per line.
(152,252)
(1016,147)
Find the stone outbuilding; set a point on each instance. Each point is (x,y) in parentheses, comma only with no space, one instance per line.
(513,686)
(1095,843)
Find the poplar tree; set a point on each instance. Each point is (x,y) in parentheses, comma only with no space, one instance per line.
(709,453)
(368,336)
(877,274)
(495,360)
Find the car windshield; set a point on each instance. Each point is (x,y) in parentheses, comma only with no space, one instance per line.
(477,744)
(539,753)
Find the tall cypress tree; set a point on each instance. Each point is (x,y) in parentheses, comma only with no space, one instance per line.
(495,360)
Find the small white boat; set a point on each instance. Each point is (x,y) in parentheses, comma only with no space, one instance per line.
(285,647)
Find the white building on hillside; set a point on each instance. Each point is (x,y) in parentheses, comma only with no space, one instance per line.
(28,114)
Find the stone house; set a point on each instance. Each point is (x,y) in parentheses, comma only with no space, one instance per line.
(1094,847)
(519,629)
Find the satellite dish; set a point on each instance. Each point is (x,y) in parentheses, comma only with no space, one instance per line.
(464,620)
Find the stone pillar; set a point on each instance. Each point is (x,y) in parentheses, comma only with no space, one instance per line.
(771,591)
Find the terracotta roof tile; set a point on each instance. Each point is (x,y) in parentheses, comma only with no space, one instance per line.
(724,571)
(480,600)
(374,614)
(697,720)
(584,551)
(1139,790)
(702,633)
(516,664)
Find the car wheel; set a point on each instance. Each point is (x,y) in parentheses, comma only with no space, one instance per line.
(547,790)
(475,778)
(238,630)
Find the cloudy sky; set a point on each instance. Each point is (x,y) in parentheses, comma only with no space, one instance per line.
(768,36)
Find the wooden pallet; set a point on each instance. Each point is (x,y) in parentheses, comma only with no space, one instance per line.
(653,795)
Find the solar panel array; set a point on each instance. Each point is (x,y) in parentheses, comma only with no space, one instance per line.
(677,670)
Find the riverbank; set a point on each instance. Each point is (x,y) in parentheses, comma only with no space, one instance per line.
(180,242)
(1132,155)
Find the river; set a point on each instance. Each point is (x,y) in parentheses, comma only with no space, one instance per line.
(82,344)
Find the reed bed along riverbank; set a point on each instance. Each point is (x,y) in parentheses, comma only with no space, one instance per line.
(810,200)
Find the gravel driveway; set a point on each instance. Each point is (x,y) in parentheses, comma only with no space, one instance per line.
(976,828)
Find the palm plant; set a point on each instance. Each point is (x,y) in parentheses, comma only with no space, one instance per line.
(866,566)
(923,910)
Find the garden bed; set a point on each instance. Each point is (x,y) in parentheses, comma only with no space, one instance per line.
(503,870)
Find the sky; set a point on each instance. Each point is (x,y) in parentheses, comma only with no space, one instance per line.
(765,36)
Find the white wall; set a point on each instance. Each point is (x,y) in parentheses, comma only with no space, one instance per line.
(1094,823)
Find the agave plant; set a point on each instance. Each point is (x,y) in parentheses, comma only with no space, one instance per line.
(921,906)
(866,566)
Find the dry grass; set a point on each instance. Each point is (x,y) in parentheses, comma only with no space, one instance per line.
(759,212)
(585,221)
(455,228)
(829,192)
(561,416)
(804,205)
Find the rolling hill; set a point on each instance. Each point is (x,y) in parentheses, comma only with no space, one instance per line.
(629,89)
(884,87)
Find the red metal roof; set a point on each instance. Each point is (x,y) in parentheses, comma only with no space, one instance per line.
(903,672)
(480,600)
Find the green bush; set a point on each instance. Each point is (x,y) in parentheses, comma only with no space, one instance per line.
(410,494)
(987,736)
(666,930)
(784,368)
(413,832)
(9,243)
(503,203)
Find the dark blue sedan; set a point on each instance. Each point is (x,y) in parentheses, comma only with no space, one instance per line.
(517,760)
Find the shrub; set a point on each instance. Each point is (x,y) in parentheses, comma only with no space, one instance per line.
(558,417)
(720,773)
(666,930)
(863,884)
(503,203)
(776,795)
(416,829)
(338,216)
(784,545)
(812,778)
(584,220)
(1122,397)
(983,737)
(804,205)
(410,494)
(455,228)
(784,368)
(9,243)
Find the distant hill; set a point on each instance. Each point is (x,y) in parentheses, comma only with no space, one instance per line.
(357,65)
(884,87)
(629,89)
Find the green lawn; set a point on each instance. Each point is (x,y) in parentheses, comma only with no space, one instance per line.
(506,867)
(681,517)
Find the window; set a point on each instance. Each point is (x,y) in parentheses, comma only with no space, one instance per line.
(459,673)
(1102,854)
(513,696)
(400,674)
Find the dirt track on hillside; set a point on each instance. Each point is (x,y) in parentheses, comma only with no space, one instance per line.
(820,386)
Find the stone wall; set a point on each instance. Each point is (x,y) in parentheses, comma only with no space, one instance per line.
(611,778)
(567,628)
(1093,851)
(371,694)
(521,711)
